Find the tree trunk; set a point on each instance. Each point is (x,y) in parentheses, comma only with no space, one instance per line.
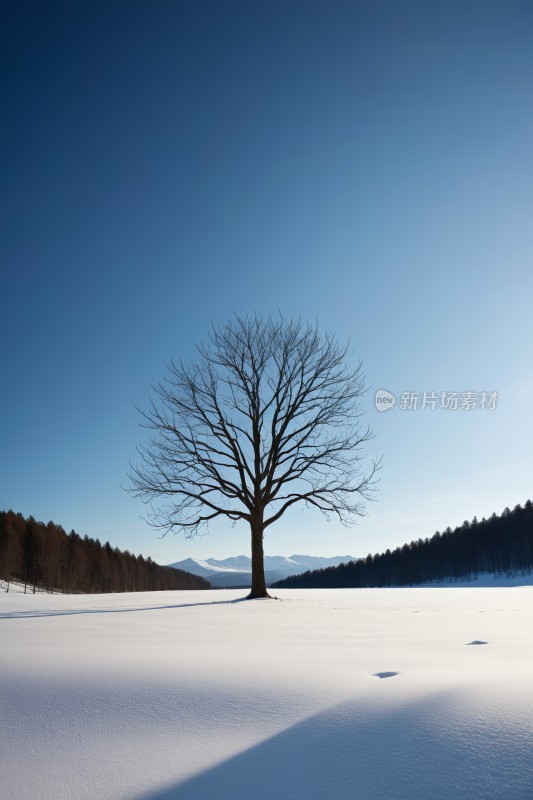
(258,568)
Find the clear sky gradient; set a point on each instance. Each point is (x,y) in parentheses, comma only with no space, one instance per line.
(165,164)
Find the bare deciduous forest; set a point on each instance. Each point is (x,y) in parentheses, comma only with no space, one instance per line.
(43,556)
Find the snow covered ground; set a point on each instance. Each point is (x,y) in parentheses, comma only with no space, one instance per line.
(486,579)
(337,694)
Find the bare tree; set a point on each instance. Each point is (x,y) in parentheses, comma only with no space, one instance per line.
(266,418)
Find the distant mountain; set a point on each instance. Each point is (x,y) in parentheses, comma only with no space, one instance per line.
(229,580)
(237,570)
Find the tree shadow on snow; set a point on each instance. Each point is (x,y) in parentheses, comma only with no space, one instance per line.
(440,748)
(70,612)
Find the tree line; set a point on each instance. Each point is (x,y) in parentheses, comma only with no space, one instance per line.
(501,545)
(43,556)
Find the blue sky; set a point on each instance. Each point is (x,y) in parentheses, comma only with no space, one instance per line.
(168,164)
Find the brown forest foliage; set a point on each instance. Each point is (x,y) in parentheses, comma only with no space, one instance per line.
(43,556)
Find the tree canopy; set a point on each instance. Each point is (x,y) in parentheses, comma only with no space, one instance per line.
(267,416)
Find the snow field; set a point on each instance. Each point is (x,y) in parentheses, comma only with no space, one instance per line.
(204,695)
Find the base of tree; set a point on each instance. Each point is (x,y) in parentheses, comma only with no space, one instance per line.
(257,596)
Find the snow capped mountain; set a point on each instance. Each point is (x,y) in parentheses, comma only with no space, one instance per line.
(237,570)
(237,564)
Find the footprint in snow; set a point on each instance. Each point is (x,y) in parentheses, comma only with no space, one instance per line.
(477,641)
(384,674)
